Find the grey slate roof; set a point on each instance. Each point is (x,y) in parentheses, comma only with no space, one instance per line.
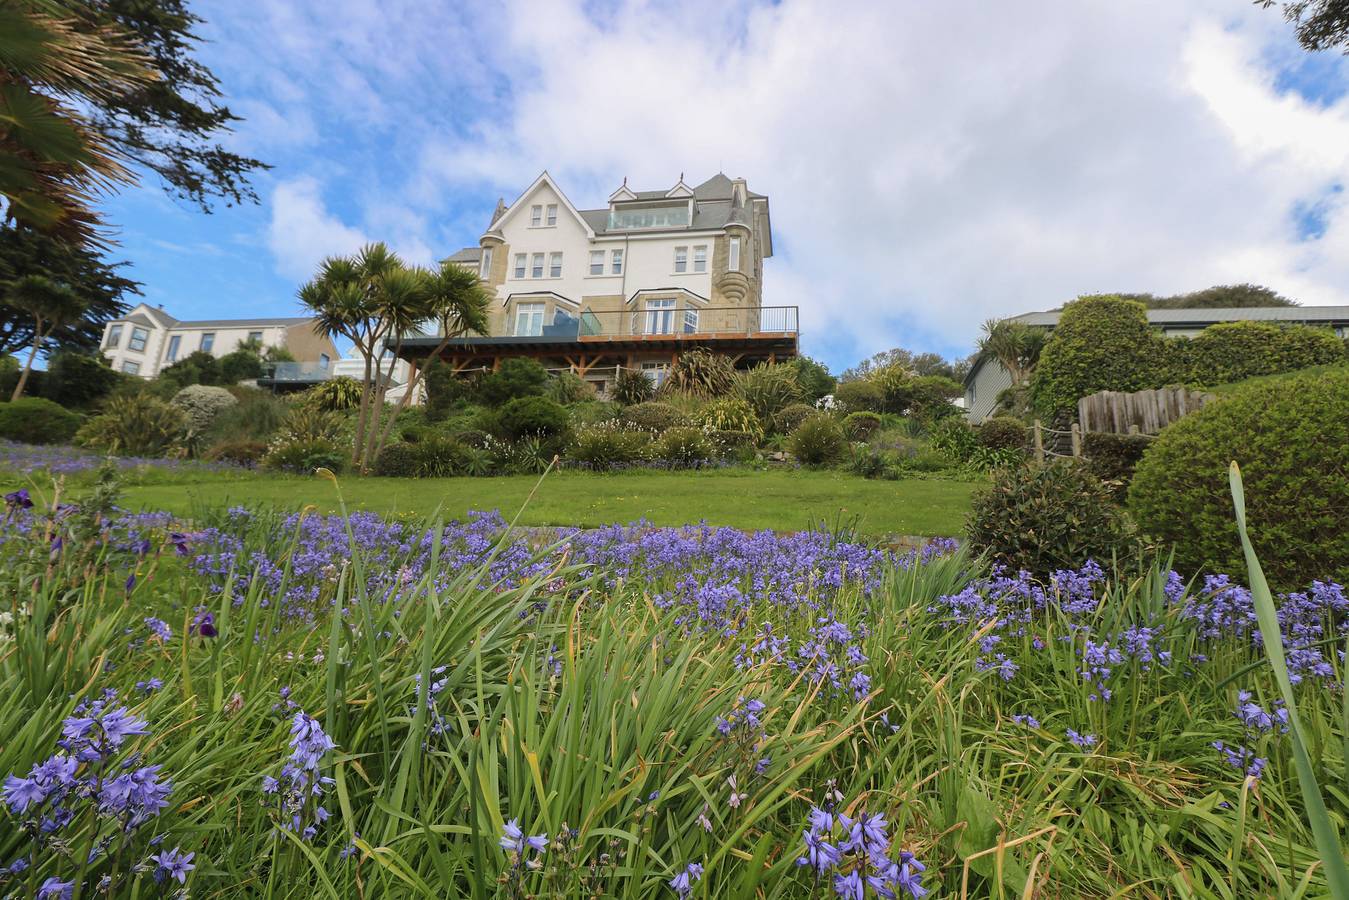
(1291,314)
(713,201)
(468,254)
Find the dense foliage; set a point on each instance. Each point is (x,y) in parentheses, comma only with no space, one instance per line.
(135,424)
(1291,439)
(1233,351)
(859,396)
(653,416)
(202,405)
(33,420)
(1101,343)
(1114,457)
(818,441)
(1043,517)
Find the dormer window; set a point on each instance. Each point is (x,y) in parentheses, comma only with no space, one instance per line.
(624,217)
(681,260)
(535,215)
(552,214)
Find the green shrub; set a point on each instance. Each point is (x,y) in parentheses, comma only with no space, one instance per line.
(308,424)
(256,416)
(1101,343)
(518,377)
(955,438)
(768,388)
(33,420)
(593,412)
(684,448)
(607,445)
(731,414)
(818,441)
(653,416)
(527,456)
(791,416)
(532,416)
(866,461)
(927,398)
(859,396)
(1044,517)
(728,443)
(1291,439)
(1114,457)
(632,387)
(435,457)
(240,365)
(135,425)
(198,367)
(446,389)
(1233,351)
(860,426)
(470,437)
(78,380)
(240,453)
(567,388)
(1003,433)
(334,395)
(700,373)
(304,456)
(202,404)
(921,461)
(813,378)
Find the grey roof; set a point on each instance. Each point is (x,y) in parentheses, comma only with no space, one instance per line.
(1294,314)
(138,319)
(245,323)
(468,254)
(713,208)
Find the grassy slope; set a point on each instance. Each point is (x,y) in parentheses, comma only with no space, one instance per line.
(738,498)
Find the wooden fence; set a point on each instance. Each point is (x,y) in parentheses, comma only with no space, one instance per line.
(1147,412)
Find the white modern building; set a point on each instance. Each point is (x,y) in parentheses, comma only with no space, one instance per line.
(987,378)
(630,284)
(147,339)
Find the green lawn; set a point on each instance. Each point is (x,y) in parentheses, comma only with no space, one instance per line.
(786,500)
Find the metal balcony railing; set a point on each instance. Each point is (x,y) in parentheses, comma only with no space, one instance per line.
(666,321)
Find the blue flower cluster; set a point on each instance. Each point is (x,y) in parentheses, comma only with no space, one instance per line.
(855,854)
(295,795)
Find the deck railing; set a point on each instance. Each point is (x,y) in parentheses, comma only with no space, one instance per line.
(670,322)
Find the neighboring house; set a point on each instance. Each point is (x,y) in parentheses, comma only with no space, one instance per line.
(147,339)
(987,378)
(631,285)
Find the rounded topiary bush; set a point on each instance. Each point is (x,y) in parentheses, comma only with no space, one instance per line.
(1102,343)
(654,416)
(1047,516)
(1291,438)
(532,417)
(32,420)
(859,396)
(1002,433)
(790,417)
(860,426)
(818,441)
(201,404)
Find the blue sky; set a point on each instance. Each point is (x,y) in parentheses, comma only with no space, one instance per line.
(929,165)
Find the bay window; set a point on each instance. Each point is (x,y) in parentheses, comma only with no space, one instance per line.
(529,319)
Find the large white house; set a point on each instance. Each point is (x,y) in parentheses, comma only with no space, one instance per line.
(147,339)
(630,284)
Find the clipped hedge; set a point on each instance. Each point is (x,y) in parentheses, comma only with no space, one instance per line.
(1291,439)
(1114,457)
(1234,351)
(32,420)
(1101,343)
(532,417)
(1003,433)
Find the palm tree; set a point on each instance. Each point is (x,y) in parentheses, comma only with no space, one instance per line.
(456,302)
(51,304)
(1014,344)
(52,162)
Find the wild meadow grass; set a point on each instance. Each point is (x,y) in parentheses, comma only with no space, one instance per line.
(257,704)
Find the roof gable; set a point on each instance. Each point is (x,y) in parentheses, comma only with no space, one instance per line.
(521,203)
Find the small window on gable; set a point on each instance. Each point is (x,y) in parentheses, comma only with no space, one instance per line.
(536,215)
(596,262)
(700,258)
(552,214)
(555,265)
(519,265)
(536,266)
(681,259)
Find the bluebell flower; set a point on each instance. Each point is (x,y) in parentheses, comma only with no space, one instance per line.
(172,864)
(159,628)
(55,889)
(683,882)
(1085,741)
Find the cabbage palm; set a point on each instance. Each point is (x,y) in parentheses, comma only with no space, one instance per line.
(52,161)
(1014,344)
(51,304)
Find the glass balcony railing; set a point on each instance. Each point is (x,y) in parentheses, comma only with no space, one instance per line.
(291,372)
(653,322)
(649,217)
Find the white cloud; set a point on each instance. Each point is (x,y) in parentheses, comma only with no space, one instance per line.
(929,164)
(302,231)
